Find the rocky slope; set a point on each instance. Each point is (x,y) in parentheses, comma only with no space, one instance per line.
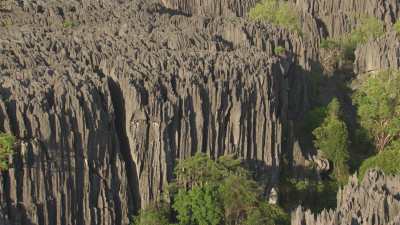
(380,54)
(338,17)
(375,200)
(105,96)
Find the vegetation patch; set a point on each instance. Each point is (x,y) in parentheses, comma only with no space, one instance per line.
(388,161)
(378,108)
(208,192)
(279,50)
(343,48)
(70,24)
(6,150)
(332,139)
(279,13)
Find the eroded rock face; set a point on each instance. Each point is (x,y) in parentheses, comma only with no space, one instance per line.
(377,55)
(374,201)
(106,96)
(211,7)
(337,17)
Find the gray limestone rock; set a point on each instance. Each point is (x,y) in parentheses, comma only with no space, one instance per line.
(373,201)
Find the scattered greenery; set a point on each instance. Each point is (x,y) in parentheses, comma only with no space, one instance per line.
(157,214)
(332,139)
(70,24)
(280,13)
(6,149)
(388,161)
(344,47)
(208,192)
(378,107)
(279,50)
(396,27)
(311,194)
(6,22)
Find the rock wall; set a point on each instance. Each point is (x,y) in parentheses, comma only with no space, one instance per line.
(337,17)
(105,96)
(211,7)
(374,201)
(380,54)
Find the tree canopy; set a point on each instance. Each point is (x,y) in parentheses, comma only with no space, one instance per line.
(378,107)
(208,192)
(332,139)
(6,149)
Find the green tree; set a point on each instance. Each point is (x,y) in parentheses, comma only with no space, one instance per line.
(332,139)
(6,149)
(156,214)
(199,206)
(266,214)
(215,192)
(280,13)
(388,161)
(378,107)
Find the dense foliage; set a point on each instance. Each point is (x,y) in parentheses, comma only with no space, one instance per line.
(208,192)
(388,161)
(280,13)
(332,139)
(6,149)
(157,214)
(311,194)
(378,104)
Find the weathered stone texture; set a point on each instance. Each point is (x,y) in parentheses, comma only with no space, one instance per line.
(377,55)
(373,201)
(104,105)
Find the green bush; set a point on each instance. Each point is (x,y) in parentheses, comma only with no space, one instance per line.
(378,107)
(311,194)
(332,139)
(200,205)
(157,214)
(388,161)
(208,192)
(280,13)
(279,50)
(69,24)
(6,149)
(396,27)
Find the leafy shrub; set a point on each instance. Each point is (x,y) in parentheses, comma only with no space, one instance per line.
(6,149)
(279,50)
(388,161)
(208,192)
(69,24)
(267,214)
(311,194)
(157,214)
(378,107)
(332,139)
(200,205)
(280,13)
(396,27)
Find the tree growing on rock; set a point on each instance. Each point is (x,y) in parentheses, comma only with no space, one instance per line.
(332,139)
(378,108)
(208,192)
(6,149)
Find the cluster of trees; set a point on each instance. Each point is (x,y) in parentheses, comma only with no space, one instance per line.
(6,150)
(208,192)
(277,12)
(378,107)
